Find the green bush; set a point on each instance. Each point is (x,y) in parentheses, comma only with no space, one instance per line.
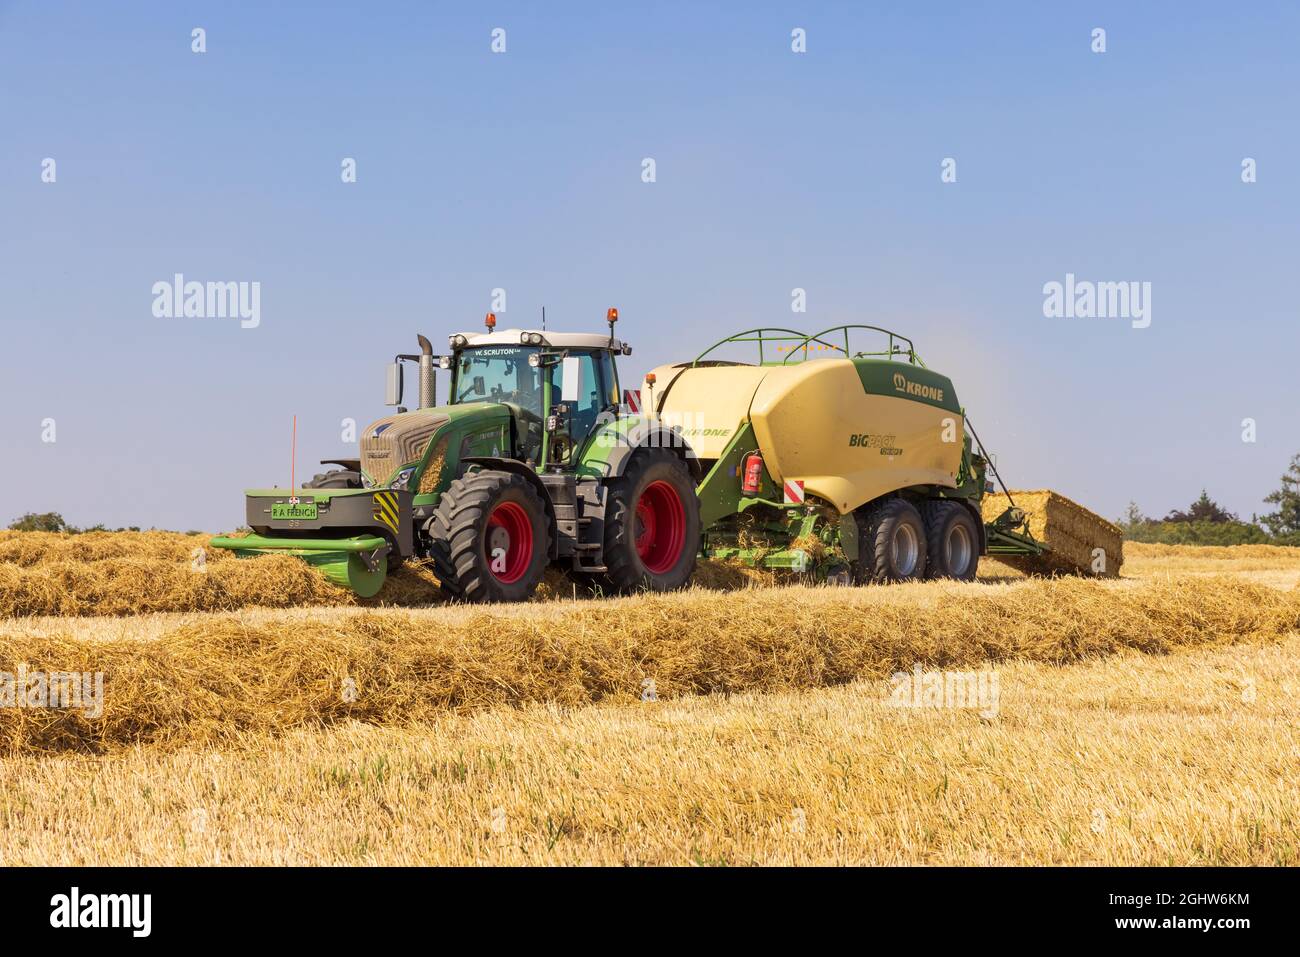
(44,522)
(54,522)
(1200,533)
(1203,523)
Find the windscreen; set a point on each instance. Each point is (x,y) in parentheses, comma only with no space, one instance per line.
(498,374)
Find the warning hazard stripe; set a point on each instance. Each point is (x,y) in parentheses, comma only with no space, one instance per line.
(793,492)
(632,399)
(386,509)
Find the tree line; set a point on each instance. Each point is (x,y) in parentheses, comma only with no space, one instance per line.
(1205,522)
(54,522)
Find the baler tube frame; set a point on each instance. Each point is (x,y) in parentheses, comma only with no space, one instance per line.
(756,335)
(910,352)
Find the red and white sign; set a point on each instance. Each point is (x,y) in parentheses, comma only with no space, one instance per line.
(794,493)
(632,399)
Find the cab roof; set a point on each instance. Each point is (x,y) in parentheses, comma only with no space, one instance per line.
(559,340)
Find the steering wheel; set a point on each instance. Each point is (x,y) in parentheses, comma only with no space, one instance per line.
(531,422)
(528,415)
(528,400)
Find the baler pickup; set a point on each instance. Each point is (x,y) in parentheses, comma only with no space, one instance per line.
(358,562)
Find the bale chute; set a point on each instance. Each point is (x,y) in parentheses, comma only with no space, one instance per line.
(1074,540)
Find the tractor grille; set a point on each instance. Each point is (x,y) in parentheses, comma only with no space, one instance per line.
(394,440)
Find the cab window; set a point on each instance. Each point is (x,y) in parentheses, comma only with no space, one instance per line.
(592,391)
(606,362)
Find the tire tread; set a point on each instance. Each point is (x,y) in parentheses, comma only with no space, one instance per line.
(456,526)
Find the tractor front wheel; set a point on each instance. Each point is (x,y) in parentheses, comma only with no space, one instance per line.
(652,524)
(489,538)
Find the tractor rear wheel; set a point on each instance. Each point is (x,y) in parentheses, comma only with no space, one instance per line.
(652,524)
(490,537)
(891,543)
(952,541)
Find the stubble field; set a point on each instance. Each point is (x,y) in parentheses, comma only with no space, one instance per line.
(252,714)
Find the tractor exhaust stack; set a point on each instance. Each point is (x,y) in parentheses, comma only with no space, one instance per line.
(428,383)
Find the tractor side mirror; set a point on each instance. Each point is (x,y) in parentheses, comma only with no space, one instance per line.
(393,387)
(571,379)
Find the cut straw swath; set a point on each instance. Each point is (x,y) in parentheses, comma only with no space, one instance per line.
(215,680)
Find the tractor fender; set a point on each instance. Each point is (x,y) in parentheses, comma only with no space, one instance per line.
(352,465)
(519,468)
(654,437)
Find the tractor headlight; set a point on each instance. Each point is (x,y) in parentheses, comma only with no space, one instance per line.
(532,338)
(458,341)
(444,362)
(402,479)
(535,360)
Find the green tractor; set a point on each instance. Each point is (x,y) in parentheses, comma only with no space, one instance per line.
(534,460)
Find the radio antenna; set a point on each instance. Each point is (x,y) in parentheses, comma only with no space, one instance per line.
(543,318)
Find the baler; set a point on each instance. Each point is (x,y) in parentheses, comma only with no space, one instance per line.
(858,465)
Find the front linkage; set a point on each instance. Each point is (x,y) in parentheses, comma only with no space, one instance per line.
(354,536)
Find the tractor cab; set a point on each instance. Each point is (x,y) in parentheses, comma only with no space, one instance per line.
(556,385)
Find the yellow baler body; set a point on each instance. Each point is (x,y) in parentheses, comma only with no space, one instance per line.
(850,429)
(709,404)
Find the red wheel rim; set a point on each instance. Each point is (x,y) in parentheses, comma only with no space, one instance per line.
(660,527)
(509,542)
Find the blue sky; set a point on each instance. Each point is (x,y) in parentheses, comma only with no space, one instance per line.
(522,171)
